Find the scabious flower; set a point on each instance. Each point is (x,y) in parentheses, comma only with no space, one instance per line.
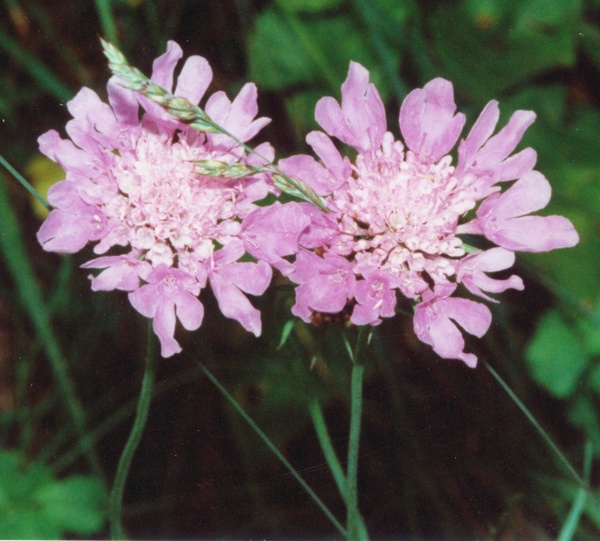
(131,186)
(397,212)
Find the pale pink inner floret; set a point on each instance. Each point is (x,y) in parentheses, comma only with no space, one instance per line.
(399,214)
(163,207)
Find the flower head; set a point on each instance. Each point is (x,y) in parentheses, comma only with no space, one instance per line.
(131,184)
(397,212)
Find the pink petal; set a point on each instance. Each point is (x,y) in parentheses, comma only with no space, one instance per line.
(322,229)
(252,278)
(231,252)
(234,304)
(339,167)
(118,274)
(506,140)
(360,121)
(532,192)
(270,233)
(123,102)
(236,117)
(145,300)
(67,232)
(189,310)
(164,327)
(164,66)
(427,120)
(64,152)
(479,134)
(534,233)
(376,299)
(87,106)
(516,166)
(64,195)
(502,219)
(194,79)
(308,170)
(472,268)
(325,284)
(265,150)
(217,107)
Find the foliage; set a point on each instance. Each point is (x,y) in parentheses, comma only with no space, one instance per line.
(35,505)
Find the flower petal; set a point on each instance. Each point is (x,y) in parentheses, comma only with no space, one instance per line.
(360,121)
(194,79)
(502,219)
(427,120)
(164,66)
(234,304)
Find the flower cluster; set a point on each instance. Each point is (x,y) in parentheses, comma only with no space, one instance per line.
(394,220)
(397,212)
(131,184)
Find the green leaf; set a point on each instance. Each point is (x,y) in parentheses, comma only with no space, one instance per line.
(75,504)
(556,356)
(582,413)
(486,55)
(288,65)
(35,506)
(286,51)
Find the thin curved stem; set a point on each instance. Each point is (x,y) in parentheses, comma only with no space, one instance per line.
(116,496)
(355,525)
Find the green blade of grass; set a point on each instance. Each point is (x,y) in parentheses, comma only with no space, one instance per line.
(13,248)
(559,454)
(107,21)
(272,447)
(24,182)
(46,79)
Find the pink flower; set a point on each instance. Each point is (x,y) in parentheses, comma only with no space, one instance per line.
(131,183)
(396,215)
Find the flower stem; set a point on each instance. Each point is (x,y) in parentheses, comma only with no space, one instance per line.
(116,496)
(354,524)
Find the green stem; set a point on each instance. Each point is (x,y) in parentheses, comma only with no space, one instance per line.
(316,414)
(272,447)
(354,523)
(116,496)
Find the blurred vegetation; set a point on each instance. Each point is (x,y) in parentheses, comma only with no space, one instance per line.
(445,453)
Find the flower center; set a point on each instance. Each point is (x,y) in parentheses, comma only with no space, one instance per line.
(399,215)
(162,207)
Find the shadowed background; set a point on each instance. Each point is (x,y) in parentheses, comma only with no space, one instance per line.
(445,452)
